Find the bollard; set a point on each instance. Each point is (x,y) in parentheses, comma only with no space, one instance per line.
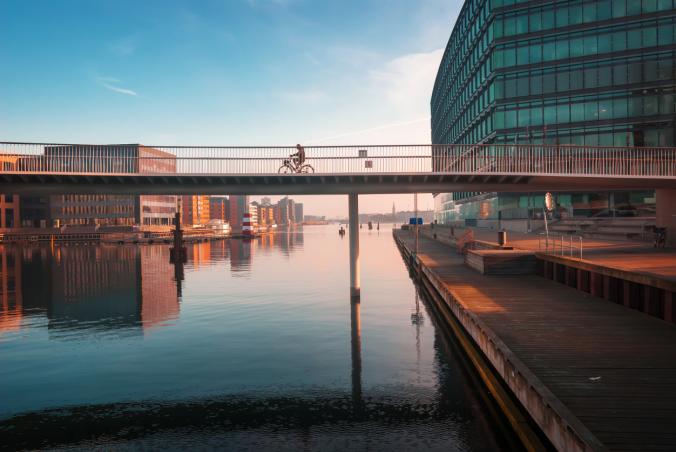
(502,238)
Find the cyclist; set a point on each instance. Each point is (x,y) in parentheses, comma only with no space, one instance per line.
(299,157)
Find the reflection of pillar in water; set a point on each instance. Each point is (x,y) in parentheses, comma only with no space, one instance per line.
(355,329)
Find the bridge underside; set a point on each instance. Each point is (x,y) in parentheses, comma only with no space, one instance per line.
(317,184)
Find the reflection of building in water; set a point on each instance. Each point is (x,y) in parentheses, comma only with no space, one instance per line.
(91,287)
(10,290)
(241,252)
(95,286)
(158,288)
(199,253)
(290,239)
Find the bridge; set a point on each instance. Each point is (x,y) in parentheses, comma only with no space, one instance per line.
(47,168)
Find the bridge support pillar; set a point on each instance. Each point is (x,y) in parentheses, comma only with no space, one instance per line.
(666,213)
(353,208)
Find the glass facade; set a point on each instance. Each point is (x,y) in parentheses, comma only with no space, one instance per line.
(597,73)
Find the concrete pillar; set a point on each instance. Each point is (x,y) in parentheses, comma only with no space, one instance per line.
(353,208)
(666,213)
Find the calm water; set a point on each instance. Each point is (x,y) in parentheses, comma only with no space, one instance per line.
(256,347)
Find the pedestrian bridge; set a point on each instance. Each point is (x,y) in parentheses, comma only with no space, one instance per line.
(134,168)
(46,168)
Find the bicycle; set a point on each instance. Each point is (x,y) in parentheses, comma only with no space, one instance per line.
(660,237)
(291,166)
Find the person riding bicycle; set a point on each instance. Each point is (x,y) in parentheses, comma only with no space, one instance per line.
(299,157)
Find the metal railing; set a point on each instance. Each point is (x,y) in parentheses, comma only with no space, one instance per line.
(563,245)
(448,159)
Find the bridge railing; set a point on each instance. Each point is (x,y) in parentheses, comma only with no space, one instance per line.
(454,159)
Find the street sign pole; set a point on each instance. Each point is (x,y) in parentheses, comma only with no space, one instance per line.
(415,214)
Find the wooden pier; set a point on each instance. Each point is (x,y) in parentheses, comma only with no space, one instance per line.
(593,375)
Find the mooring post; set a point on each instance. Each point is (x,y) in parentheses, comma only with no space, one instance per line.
(353,208)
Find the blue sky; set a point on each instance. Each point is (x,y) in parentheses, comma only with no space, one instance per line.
(229,72)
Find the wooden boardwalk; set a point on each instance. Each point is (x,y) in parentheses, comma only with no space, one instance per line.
(611,368)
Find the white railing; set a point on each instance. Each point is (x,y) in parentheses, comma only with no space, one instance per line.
(561,245)
(449,159)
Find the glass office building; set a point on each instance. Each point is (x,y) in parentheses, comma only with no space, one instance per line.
(596,73)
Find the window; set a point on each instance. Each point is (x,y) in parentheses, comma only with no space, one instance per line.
(524,117)
(620,108)
(619,41)
(562,17)
(591,111)
(535,84)
(590,45)
(549,83)
(535,21)
(536,116)
(575,14)
(576,47)
(577,112)
(562,49)
(589,11)
(590,78)
(620,74)
(634,39)
(604,43)
(563,113)
(535,53)
(563,81)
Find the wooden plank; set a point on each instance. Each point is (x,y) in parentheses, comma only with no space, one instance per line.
(565,337)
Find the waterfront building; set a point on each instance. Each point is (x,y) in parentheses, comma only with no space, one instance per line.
(298,216)
(9,203)
(266,215)
(253,210)
(286,211)
(195,210)
(219,207)
(592,73)
(9,211)
(238,206)
(101,210)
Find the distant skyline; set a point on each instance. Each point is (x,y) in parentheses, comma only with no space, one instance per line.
(241,72)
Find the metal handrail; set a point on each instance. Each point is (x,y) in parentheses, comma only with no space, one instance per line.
(563,245)
(559,160)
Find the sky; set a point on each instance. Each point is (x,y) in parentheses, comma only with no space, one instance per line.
(228,72)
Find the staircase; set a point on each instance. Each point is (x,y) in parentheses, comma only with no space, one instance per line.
(635,228)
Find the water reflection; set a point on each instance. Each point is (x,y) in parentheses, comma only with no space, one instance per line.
(132,289)
(250,348)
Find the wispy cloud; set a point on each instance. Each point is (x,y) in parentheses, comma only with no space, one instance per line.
(110,83)
(407,80)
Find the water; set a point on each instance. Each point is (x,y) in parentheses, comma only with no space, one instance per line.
(256,347)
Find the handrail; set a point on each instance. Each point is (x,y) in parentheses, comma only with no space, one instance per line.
(485,159)
(560,245)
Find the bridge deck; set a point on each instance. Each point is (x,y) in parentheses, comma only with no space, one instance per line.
(612,369)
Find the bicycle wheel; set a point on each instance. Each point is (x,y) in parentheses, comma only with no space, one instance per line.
(308,169)
(285,169)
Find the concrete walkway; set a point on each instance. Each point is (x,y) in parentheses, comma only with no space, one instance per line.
(585,369)
(638,257)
